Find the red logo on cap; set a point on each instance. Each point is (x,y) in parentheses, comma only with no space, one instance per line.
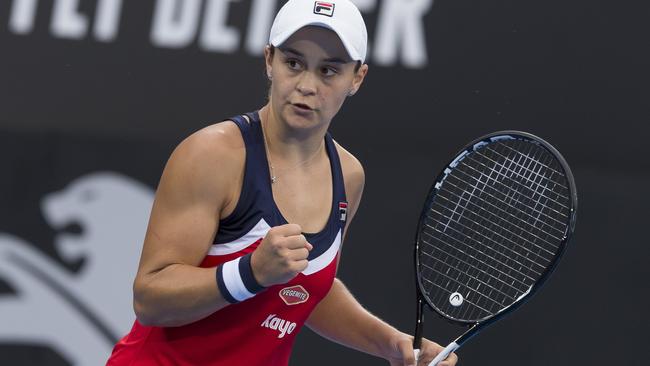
(294,295)
(323,8)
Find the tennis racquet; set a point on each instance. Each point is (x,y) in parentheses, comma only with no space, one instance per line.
(494,226)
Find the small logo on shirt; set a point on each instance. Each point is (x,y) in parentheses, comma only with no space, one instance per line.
(323,8)
(281,325)
(343,210)
(294,295)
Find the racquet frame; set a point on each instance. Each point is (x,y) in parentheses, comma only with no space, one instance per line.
(476,326)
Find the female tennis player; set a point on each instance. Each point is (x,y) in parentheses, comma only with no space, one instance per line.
(245,232)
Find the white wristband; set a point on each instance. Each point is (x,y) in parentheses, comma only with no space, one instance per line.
(236,281)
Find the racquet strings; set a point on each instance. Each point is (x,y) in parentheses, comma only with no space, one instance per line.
(493,228)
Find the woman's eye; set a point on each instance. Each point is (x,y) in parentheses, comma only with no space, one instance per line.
(329,71)
(293,64)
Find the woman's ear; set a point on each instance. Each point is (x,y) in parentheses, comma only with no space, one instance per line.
(359,76)
(268,60)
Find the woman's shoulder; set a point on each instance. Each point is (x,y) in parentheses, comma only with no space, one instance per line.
(213,153)
(216,138)
(218,142)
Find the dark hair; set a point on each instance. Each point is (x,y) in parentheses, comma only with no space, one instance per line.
(356,67)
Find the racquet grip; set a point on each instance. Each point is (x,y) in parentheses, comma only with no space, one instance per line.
(444,353)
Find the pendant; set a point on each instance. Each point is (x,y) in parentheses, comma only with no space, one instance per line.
(273,179)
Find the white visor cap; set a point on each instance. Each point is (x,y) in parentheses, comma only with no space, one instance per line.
(341,16)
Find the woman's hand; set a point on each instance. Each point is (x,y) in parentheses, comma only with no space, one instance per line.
(281,255)
(400,352)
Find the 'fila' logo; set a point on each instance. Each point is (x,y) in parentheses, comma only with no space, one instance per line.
(281,325)
(343,210)
(294,295)
(324,8)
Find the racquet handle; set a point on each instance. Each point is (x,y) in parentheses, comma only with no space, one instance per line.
(444,353)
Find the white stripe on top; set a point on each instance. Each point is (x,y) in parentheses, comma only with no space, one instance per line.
(257,232)
(324,259)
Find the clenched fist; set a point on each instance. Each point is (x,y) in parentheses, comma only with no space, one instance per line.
(281,255)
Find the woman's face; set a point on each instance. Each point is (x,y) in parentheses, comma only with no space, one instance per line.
(312,75)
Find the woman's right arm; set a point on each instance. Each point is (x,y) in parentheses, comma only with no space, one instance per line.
(197,187)
(200,184)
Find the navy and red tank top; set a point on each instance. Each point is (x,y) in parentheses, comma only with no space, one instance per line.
(259,331)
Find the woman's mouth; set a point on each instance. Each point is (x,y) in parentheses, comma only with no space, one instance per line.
(303,107)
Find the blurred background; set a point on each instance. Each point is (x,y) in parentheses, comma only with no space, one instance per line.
(95,94)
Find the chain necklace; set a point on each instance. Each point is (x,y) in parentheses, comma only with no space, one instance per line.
(274,178)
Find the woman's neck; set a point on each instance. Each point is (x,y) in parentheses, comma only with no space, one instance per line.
(289,145)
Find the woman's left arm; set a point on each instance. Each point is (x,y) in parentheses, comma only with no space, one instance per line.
(339,317)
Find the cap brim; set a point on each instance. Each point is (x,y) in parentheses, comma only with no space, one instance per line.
(279,39)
